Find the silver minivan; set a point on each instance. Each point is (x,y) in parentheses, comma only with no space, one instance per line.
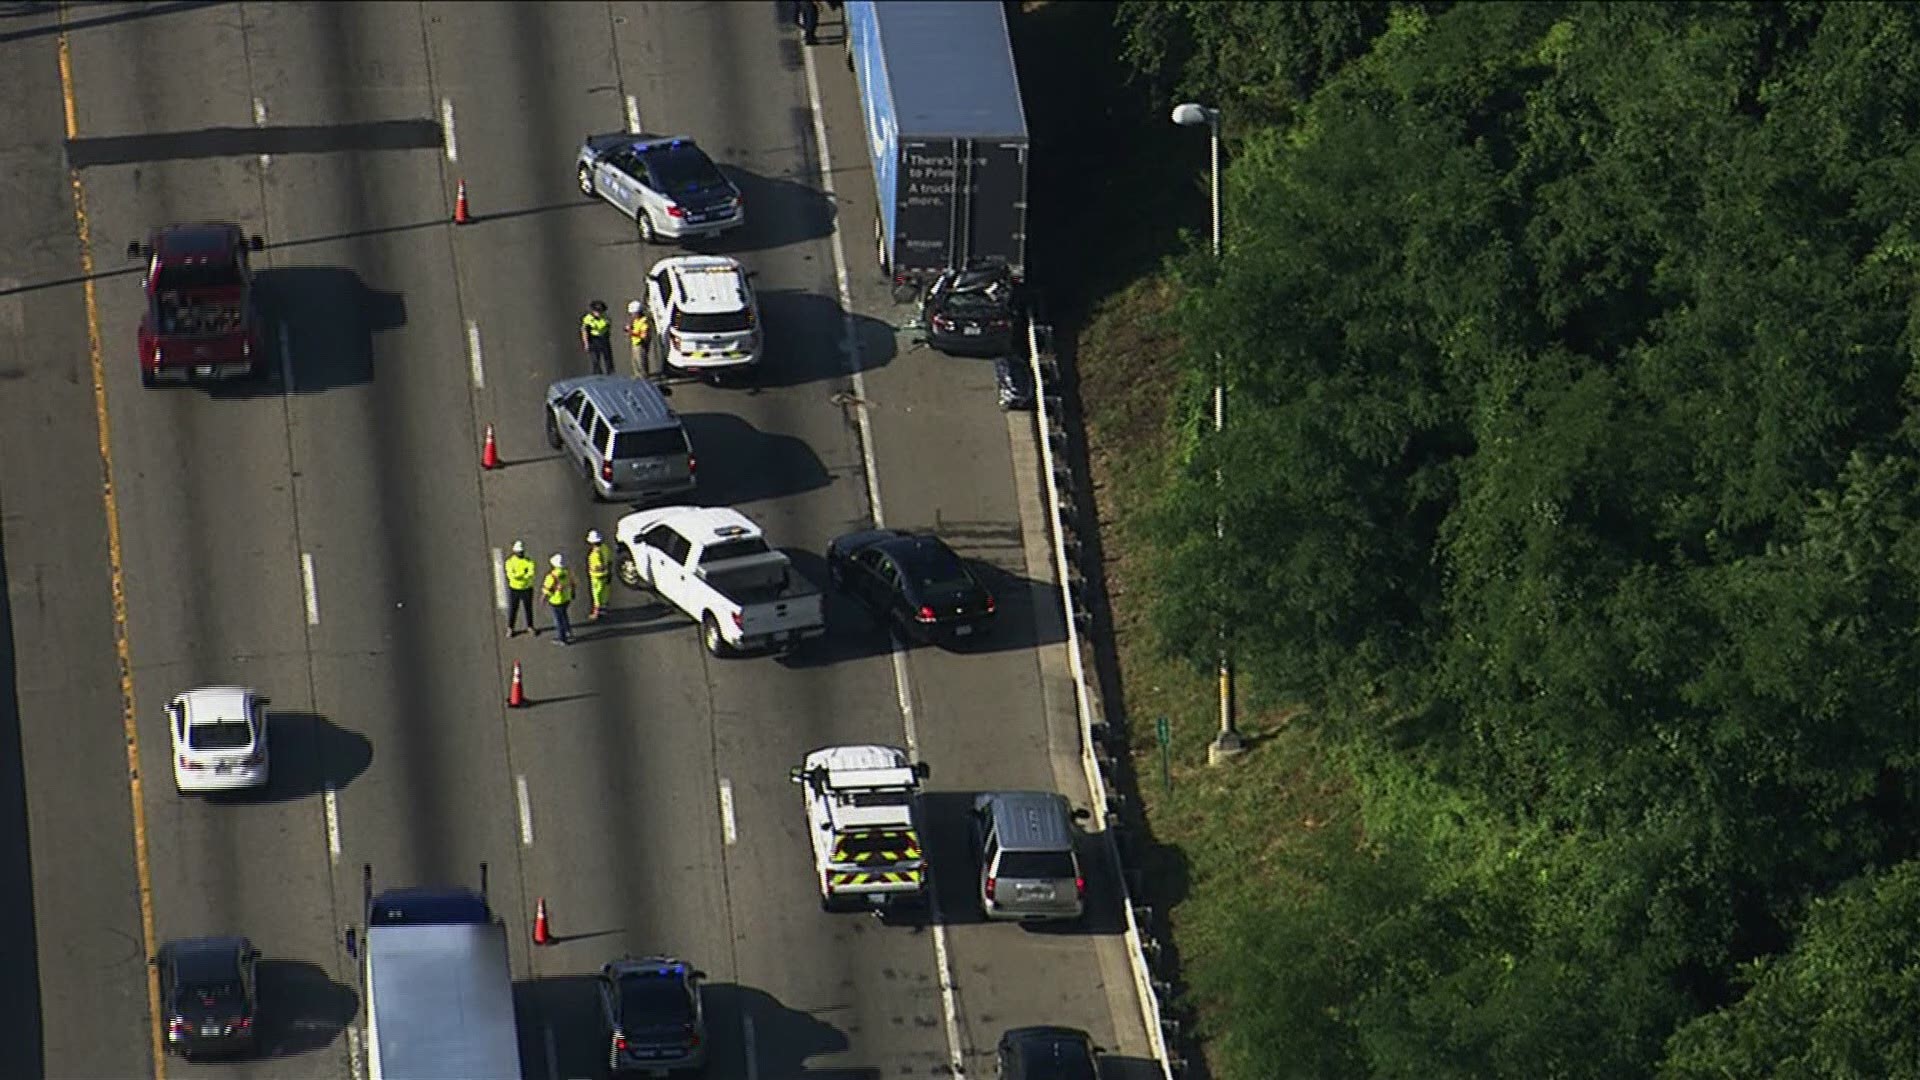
(1028,868)
(621,434)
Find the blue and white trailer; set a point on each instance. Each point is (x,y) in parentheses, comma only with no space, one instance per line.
(438,991)
(946,135)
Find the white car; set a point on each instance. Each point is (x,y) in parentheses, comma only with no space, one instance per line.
(705,319)
(219,739)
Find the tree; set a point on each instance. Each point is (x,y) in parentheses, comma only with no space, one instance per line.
(1840,1005)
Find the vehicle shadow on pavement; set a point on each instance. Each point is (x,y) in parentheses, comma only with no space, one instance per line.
(330,316)
(308,754)
(301,1008)
(779,212)
(852,633)
(784,1039)
(804,331)
(20,951)
(740,464)
(563,1035)
(1124,1067)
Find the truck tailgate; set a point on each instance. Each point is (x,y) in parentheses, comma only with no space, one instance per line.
(802,611)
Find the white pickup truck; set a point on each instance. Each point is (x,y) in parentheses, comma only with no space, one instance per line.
(715,566)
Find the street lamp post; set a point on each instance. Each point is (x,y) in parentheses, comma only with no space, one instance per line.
(1227,743)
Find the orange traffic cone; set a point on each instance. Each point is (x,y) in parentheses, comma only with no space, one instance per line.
(516,693)
(490,453)
(542,934)
(460,215)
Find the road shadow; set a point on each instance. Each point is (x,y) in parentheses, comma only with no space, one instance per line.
(780,212)
(852,633)
(741,464)
(1127,1067)
(307,754)
(20,950)
(329,316)
(785,1039)
(949,849)
(568,1007)
(21,10)
(642,614)
(302,1008)
(804,332)
(419,134)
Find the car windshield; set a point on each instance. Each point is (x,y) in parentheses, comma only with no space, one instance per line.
(220,735)
(654,442)
(973,303)
(1036,864)
(713,322)
(735,549)
(198,278)
(683,170)
(654,1001)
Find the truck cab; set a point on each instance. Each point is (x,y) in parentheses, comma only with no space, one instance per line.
(861,823)
(199,321)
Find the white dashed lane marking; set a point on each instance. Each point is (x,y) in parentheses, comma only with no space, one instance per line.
(313,592)
(446,125)
(526,811)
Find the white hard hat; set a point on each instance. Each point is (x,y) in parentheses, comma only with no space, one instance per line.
(519,547)
(558,561)
(633,308)
(593,536)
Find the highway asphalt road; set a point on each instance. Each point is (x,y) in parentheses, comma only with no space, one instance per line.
(330,539)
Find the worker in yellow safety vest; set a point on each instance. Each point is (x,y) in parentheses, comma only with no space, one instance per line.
(638,331)
(519,571)
(596,339)
(558,590)
(599,572)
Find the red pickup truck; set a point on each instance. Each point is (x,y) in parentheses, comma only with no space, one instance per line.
(200,321)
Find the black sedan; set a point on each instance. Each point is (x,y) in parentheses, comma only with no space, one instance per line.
(655,1023)
(1047,1053)
(912,580)
(970,312)
(207,992)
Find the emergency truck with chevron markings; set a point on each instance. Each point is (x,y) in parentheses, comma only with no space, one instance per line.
(861,819)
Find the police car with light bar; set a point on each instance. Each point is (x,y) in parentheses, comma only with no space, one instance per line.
(705,315)
(669,186)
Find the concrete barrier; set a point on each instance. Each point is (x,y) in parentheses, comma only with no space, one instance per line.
(1093,723)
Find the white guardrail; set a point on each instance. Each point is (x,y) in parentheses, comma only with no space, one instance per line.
(1044,365)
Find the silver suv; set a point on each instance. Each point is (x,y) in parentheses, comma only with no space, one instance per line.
(622,435)
(669,187)
(1028,869)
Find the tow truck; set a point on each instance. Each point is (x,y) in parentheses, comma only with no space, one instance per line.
(860,805)
(200,321)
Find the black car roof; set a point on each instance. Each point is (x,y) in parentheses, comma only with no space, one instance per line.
(1050,1046)
(918,549)
(207,960)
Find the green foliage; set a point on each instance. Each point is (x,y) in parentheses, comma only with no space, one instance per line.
(1840,1003)
(1258,58)
(1572,475)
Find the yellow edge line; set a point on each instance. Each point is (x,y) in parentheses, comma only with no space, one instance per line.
(122,652)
